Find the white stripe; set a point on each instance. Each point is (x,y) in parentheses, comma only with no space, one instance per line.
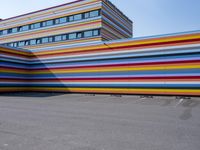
(100,83)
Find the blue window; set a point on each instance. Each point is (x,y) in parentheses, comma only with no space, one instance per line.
(79,35)
(45,40)
(94,13)
(9,31)
(71,18)
(25,28)
(38,41)
(87,33)
(57,21)
(26,42)
(5,32)
(44,24)
(95,32)
(33,42)
(35,25)
(87,15)
(63,20)
(49,23)
(14,30)
(15,44)
(77,17)
(64,37)
(72,36)
(58,38)
(50,39)
(21,43)
(11,44)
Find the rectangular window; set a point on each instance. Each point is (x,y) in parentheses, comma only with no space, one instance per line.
(71,18)
(57,21)
(25,28)
(20,29)
(63,20)
(49,23)
(94,13)
(95,32)
(38,41)
(9,31)
(77,17)
(12,44)
(87,33)
(26,43)
(45,40)
(33,42)
(79,35)
(50,39)
(58,38)
(72,36)
(15,44)
(21,43)
(64,37)
(86,15)
(44,24)
(14,30)
(35,25)
(5,32)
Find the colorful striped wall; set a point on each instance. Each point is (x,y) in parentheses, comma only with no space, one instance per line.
(115,25)
(161,65)
(14,68)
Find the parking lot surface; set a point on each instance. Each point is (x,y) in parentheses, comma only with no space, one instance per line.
(41,121)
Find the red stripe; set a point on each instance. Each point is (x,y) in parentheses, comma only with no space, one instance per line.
(102,78)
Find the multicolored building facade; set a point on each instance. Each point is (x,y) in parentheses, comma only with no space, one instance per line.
(81,21)
(158,65)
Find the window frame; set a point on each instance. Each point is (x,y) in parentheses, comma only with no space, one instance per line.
(57,38)
(65,19)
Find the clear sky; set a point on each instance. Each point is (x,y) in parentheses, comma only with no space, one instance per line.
(150,17)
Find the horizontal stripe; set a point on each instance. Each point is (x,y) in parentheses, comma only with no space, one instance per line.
(170,66)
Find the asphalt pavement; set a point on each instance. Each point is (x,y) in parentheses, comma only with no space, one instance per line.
(41,121)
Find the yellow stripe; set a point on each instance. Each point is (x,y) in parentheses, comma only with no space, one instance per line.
(120,69)
(156,40)
(51,71)
(195,92)
(109,89)
(123,90)
(14,51)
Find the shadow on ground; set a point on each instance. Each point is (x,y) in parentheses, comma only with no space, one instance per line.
(31,94)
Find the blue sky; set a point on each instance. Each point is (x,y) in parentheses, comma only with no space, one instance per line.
(150,17)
